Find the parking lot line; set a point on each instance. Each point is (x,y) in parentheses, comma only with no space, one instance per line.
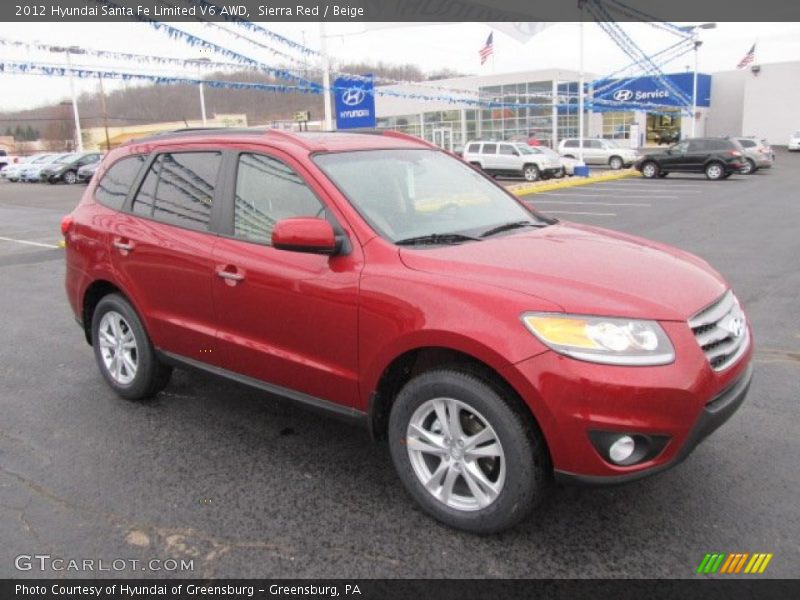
(593,214)
(594,203)
(29,243)
(645,196)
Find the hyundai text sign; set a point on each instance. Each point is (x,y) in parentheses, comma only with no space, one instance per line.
(624,94)
(355,103)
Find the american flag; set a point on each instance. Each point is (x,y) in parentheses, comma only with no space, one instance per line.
(487,49)
(748,58)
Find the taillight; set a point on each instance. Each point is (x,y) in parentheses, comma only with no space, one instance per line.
(734,153)
(66,223)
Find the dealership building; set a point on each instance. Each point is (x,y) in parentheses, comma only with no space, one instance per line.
(634,112)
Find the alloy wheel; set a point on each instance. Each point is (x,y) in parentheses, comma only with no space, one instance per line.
(456,454)
(118,348)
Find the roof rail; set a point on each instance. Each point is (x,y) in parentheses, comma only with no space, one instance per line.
(407,136)
(288,135)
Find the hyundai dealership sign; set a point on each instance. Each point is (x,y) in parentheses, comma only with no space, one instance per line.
(355,103)
(627,94)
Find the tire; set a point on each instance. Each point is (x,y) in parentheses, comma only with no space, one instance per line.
(561,173)
(728,174)
(650,170)
(714,171)
(616,163)
(140,375)
(568,156)
(531,173)
(69,177)
(749,167)
(486,494)
(663,174)
(477,165)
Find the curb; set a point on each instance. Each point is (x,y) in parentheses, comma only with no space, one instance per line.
(526,189)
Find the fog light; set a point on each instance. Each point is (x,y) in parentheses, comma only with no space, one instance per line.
(622,449)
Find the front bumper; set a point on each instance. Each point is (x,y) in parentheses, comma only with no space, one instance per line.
(714,414)
(680,403)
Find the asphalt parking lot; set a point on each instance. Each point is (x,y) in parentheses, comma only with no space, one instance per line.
(248,485)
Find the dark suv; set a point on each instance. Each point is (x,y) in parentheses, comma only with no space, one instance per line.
(718,158)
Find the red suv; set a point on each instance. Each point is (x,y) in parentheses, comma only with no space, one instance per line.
(381,279)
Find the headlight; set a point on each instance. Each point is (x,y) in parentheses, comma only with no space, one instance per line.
(602,339)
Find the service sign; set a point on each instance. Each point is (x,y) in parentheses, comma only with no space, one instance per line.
(355,102)
(626,94)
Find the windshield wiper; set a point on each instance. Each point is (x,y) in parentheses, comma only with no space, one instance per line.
(437,238)
(511,225)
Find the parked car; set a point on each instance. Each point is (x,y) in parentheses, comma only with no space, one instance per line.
(66,170)
(489,344)
(718,158)
(758,154)
(794,141)
(32,171)
(7,160)
(14,172)
(510,158)
(567,164)
(598,152)
(86,172)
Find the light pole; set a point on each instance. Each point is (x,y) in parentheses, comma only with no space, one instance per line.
(326,77)
(70,50)
(694,29)
(199,62)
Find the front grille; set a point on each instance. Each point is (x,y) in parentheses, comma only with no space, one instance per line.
(721,331)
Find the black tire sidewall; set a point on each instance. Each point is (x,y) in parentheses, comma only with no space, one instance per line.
(525,471)
(146,376)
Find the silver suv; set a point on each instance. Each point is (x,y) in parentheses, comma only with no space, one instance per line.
(758,154)
(511,158)
(599,152)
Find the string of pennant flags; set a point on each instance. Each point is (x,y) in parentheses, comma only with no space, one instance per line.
(86,72)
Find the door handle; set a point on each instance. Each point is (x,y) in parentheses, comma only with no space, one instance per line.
(123,246)
(231,276)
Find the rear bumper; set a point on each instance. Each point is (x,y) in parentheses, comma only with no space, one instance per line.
(715,413)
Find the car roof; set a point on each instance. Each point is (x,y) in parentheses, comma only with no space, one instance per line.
(311,141)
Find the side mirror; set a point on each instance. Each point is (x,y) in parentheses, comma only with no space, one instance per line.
(305,234)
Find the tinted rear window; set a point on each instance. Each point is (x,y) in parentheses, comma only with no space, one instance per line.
(113,188)
(748,143)
(473,148)
(489,149)
(179,189)
(506,149)
(571,144)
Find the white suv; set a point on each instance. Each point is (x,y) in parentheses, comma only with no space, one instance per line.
(794,141)
(599,152)
(511,158)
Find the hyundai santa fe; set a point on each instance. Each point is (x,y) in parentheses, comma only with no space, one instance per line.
(382,280)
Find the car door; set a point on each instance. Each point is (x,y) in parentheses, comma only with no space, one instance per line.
(508,159)
(161,251)
(696,155)
(675,158)
(594,152)
(286,318)
(489,157)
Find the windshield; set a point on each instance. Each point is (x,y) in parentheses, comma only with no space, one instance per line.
(525,149)
(549,152)
(611,144)
(409,194)
(65,159)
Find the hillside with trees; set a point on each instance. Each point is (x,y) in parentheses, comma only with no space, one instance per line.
(155,103)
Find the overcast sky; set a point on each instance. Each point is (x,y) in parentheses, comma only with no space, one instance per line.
(431,47)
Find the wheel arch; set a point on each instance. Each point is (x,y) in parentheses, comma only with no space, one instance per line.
(94,293)
(416,361)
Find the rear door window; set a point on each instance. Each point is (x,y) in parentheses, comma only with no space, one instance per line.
(473,148)
(179,189)
(113,187)
(571,144)
(489,149)
(507,150)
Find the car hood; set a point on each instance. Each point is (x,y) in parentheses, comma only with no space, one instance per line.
(582,269)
